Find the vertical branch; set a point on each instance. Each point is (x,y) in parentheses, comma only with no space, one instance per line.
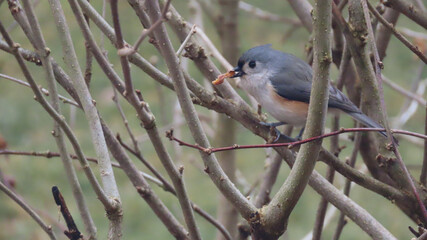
(107,175)
(323,206)
(270,175)
(44,52)
(383,33)
(226,134)
(49,109)
(167,162)
(347,186)
(89,59)
(394,147)
(277,212)
(212,167)
(423,176)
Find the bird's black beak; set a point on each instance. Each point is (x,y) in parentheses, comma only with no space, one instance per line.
(238,72)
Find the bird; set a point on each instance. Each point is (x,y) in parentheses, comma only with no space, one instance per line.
(281,83)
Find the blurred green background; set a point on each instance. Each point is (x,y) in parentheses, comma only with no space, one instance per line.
(26,126)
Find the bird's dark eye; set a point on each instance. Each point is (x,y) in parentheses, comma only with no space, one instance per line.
(252,64)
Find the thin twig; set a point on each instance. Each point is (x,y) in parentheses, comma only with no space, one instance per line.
(242,204)
(211,150)
(423,176)
(321,210)
(413,34)
(73,232)
(417,15)
(168,187)
(268,16)
(91,112)
(172,171)
(44,90)
(184,43)
(404,92)
(125,122)
(303,10)
(143,188)
(398,35)
(92,179)
(347,187)
(47,64)
(125,51)
(27,208)
(378,67)
(89,59)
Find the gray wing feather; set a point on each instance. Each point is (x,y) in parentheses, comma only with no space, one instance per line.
(293,81)
(292,78)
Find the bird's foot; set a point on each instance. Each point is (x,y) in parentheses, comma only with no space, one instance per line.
(275,132)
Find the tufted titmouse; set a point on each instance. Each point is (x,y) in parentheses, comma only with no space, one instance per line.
(281,83)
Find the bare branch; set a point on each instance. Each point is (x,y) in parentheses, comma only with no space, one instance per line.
(245,208)
(383,34)
(423,175)
(303,10)
(25,206)
(378,66)
(404,92)
(292,189)
(264,15)
(125,51)
(174,174)
(73,232)
(106,171)
(211,150)
(67,130)
(417,15)
(143,188)
(44,52)
(398,35)
(44,90)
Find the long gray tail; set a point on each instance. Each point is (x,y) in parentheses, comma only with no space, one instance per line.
(367,121)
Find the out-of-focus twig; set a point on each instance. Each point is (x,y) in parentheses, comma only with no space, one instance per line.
(135,99)
(383,34)
(398,35)
(243,205)
(92,179)
(124,51)
(303,10)
(44,90)
(27,208)
(404,92)
(417,15)
(47,64)
(378,67)
(264,15)
(423,175)
(411,33)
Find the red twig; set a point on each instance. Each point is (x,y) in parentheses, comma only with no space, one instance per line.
(169,134)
